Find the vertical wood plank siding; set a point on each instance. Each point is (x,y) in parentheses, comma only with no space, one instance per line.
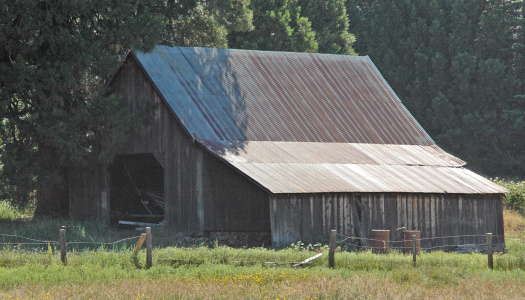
(201,193)
(447,218)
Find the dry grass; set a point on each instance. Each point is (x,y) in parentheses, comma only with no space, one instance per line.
(107,275)
(317,287)
(514,225)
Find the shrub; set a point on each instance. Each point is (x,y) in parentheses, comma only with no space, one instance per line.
(515,199)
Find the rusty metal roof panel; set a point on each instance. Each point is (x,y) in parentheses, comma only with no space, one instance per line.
(292,167)
(444,155)
(244,95)
(330,153)
(304,123)
(329,178)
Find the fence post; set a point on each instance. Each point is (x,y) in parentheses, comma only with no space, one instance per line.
(63,245)
(489,250)
(149,248)
(331,250)
(414,249)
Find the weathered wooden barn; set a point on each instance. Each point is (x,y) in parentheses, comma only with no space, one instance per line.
(294,144)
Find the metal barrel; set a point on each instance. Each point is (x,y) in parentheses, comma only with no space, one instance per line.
(380,241)
(408,244)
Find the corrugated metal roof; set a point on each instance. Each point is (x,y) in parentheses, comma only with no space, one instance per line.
(243,95)
(304,123)
(332,153)
(292,167)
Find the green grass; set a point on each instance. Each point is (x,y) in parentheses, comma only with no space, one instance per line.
(99,272)
(10,213)
(103,266)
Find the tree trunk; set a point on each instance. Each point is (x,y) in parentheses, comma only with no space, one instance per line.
(52,192)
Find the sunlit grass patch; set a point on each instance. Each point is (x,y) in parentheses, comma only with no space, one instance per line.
(514,223)
(10,213)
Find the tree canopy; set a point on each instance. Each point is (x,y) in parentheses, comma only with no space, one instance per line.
(279,26)
(55,57)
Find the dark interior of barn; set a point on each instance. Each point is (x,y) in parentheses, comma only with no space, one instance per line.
(136,189)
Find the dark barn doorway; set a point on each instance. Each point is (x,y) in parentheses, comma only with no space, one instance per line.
(136,189)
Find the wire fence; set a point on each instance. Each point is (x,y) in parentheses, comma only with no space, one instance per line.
(409,244)
(432,243)
(357,243)
(19,242)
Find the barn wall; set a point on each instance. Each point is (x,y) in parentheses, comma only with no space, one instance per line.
(232,202)
(201,193)
(310,217)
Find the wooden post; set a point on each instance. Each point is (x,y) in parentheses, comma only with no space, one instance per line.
(331,250)
(489,250)
(139,244)
(149,248)
(63,245)
(414,249)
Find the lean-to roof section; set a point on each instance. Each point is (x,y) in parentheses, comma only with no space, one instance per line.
(292,167)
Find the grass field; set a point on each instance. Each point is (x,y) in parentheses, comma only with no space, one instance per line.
(225,273)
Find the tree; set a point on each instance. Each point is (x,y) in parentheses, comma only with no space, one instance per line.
(458,67)
(330,23)
(204,24)
(54,59)
(279,26)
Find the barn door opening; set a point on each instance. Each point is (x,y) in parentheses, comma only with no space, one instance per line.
(136,189)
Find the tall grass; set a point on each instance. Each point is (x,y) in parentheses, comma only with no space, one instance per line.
(10,213)
(222,272)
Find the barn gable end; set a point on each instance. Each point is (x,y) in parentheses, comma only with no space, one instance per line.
(201,193)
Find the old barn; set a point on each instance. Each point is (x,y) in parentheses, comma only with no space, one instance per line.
(291,144)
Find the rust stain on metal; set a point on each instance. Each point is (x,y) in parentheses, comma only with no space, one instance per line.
(243,95)
(304,123)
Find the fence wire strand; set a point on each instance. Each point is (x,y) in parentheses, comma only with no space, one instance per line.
(29,239)
(49,242)
(350,241)
(103,243)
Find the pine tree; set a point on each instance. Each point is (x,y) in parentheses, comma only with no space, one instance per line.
(330,23)
(279,26)
(54,59)
(204,24)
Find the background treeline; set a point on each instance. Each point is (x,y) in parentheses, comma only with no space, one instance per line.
(458,66)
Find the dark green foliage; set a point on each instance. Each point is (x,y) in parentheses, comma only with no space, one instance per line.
(203,23)
(279,26)
(330,23)
(297,25)
(458,66)
(54,59)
